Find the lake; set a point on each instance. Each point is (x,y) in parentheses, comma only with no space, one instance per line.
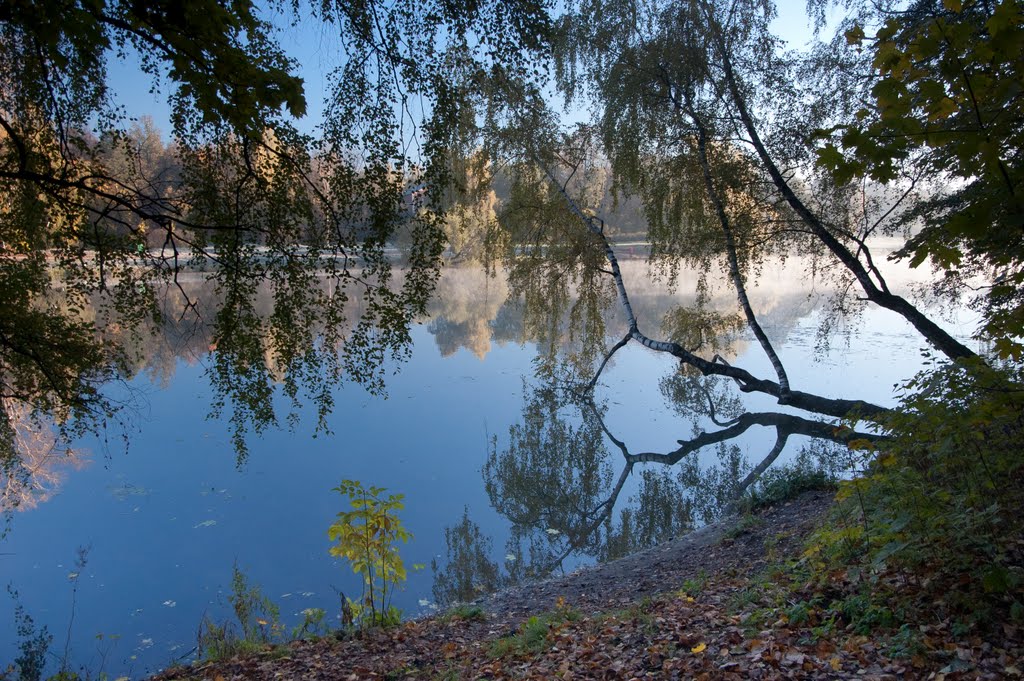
(163,520)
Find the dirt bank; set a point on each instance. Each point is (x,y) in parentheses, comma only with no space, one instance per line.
(456,648)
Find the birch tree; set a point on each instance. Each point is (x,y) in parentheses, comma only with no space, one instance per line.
(256,200)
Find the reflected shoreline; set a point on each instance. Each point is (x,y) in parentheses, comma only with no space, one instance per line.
(472,329)
(472,310)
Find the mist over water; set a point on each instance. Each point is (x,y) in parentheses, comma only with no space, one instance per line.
(167,517)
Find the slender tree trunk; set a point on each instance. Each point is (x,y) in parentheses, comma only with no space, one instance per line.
(730,247)
(932,332)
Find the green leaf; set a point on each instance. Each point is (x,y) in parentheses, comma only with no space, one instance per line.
(996,579)
(889,550)
(855,35)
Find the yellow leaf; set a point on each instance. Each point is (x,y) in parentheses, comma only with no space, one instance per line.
(944,109)
(835,664)
(699,648)
(861,444)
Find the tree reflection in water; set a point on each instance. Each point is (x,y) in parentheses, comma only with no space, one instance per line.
(469,572)
(36,470)
(555,482)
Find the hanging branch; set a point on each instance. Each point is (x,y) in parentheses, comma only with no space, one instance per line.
(589,387)
(730,247)
(781,437)
(826,406)
(877,293)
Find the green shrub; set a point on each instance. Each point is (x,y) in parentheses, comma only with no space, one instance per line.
(938,507)
(801,612)
(906,643)
(465,612)
(812,470)
(864,615)
(367,537)
(258,619)
(313,624)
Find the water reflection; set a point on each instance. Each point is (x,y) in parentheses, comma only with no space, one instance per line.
(560,486)
(567,481)
(469,571)
(552,481)
(464,309)
(659,511)
(39,465)
(472,310)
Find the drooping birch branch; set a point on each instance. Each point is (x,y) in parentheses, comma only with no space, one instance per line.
(734,268)
(877,293)
(826,406)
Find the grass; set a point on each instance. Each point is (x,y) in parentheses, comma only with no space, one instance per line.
(746,524)
(533,633)
(693,586)
(467,613)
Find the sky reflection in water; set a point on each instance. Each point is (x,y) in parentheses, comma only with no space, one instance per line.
(166,520)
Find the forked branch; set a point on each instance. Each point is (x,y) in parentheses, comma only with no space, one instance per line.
(825,406)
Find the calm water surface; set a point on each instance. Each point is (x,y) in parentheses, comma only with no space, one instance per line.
(165,521)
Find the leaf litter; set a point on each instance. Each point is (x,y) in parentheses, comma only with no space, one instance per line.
(636,618)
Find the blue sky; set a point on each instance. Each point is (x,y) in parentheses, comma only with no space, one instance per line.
(318,52)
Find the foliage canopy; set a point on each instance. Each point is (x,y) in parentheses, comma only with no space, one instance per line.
(945,107)
(99,221)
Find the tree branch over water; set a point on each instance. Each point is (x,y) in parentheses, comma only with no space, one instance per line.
(544,481)
(747,382)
